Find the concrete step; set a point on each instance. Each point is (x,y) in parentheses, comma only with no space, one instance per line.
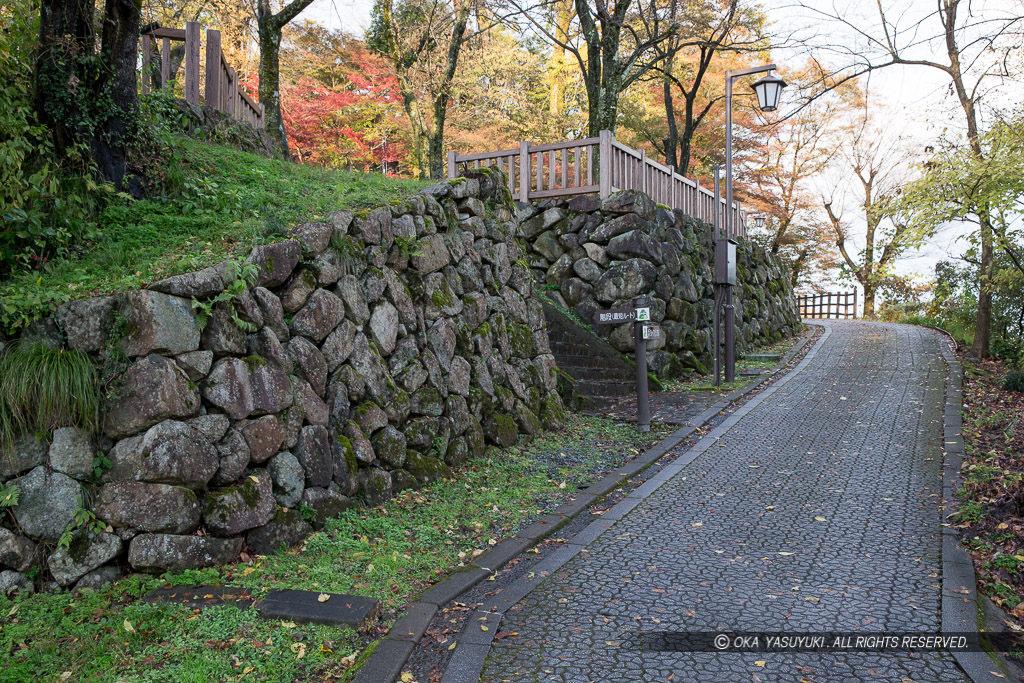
(605,388)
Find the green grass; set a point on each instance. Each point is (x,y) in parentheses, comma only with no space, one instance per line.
(43,388)
(213,203)
(392,552)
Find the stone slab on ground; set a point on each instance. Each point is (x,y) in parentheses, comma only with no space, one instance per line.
(202,596)
(305,607)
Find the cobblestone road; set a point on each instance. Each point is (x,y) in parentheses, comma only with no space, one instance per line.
(816,511)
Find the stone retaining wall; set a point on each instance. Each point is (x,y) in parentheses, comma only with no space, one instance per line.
(594,255)
(367,355)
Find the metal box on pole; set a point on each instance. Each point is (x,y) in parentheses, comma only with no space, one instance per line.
(725,262)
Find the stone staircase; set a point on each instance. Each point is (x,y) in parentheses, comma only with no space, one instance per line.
(593,374)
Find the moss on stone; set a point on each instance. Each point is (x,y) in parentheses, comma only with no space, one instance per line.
(426,468)
(521,341)
(552,413)
(349,453)
(308,279)
(504,430)
(254,362)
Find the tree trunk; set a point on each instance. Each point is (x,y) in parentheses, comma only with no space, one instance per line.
(270,78)
(66,41)
(83,103)
(672,141)
(119,52)
(983,319)
(869,300)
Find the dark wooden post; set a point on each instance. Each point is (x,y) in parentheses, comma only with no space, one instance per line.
(213,68)
(165,61)
(192,62)
(147,63)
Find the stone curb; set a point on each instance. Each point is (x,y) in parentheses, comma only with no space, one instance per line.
(386,662)
(960,611)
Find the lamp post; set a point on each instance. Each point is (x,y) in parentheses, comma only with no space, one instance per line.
(768,90)
(759,221)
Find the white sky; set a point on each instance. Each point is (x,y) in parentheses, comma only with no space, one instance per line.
(918,98)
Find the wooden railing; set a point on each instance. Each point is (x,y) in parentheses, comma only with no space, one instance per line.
(601,165)
(222,91)
(836,305)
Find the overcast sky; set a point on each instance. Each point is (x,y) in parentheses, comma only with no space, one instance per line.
(918,100)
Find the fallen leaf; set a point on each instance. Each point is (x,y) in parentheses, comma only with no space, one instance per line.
(299,650)
(288,624)
(128,626)
(761,663)
(452,646)
(819,518)
(324,597)
(784,553)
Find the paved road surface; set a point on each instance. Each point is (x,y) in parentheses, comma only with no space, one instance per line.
(839,469)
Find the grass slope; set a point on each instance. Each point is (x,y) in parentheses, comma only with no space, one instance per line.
(215,203)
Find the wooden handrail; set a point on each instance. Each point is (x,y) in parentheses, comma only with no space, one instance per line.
(602,165)
(221,89)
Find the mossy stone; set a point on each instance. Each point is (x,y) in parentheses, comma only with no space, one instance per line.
(426,468)
(501,430)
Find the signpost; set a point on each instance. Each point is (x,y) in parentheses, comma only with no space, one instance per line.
(640,315)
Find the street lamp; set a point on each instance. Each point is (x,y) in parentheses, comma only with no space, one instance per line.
(768,90)
(759,221)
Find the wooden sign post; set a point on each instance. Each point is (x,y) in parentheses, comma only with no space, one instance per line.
(640,315)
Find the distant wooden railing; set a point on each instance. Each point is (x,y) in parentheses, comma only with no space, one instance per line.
(600,165)
(836,305)
(222,91)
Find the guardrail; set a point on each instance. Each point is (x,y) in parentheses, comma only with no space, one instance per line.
(574,167)
(222,91)
(835,305)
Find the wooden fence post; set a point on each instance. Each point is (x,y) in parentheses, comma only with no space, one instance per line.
(147,63)
(605,163)
(232,93)
(212,68)
(524,171)
(192,62)
(165,62)
(451,165)
(643,172)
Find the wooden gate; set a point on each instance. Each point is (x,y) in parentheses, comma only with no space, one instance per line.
(836,305)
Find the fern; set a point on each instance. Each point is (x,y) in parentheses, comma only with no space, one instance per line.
(243,276)
(9,495)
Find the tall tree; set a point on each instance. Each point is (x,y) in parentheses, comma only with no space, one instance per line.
(270,26)
(708,30)
(423,39)
(562,12)
(611,48)
(975,49)
(86,98)
(878,163)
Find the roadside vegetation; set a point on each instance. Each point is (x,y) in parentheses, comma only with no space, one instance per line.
(392,552)
(991,514)
(206,202)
